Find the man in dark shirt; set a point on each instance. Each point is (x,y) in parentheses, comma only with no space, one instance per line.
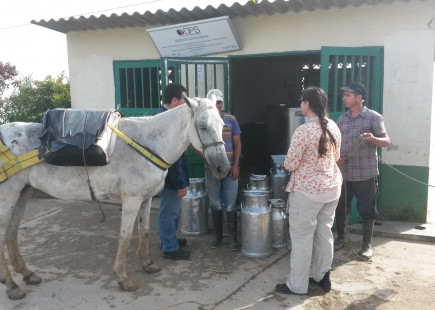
(176,183)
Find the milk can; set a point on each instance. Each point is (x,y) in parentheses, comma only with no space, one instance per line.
(280,232)
(258,182)
(256,225)
(279,177)
(194,208)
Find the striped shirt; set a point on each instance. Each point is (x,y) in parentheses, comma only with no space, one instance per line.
(231,128)
(361,158)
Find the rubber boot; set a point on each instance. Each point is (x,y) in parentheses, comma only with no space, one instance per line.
(217,225)
(341,223)
(366,248)
(232,228)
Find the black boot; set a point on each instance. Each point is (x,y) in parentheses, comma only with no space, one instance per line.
(217,225)
(366,248)
(232,227)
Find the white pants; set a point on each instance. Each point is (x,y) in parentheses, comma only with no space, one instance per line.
(311,239)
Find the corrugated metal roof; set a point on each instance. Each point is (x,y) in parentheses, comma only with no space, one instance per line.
(177,13)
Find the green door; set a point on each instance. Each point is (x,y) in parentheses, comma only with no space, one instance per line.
(198,75)
(343,65)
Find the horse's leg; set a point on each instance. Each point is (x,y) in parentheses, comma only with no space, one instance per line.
(9,194)
(143,224)
(11,239)
(130,208)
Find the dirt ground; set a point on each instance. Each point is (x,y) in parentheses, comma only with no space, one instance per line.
(401,275)
(73,252)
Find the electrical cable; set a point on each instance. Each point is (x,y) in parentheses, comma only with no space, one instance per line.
(376,192)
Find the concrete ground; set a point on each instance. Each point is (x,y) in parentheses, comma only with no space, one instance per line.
(66,244)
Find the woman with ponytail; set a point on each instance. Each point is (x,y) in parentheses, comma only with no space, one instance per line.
(314,189)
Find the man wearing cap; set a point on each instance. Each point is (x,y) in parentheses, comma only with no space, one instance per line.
(362,132)
(223,192)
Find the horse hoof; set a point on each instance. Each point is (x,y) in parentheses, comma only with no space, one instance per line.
(128,286)
(16,294)
(152,268)
(32,279)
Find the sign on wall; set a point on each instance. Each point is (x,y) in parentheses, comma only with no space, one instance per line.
(203,37)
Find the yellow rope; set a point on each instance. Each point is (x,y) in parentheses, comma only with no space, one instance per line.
(13,164)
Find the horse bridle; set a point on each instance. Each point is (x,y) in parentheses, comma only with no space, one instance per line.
(204,145)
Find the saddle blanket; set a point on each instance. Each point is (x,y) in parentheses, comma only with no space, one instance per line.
(77,137)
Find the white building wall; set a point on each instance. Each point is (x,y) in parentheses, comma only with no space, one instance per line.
(91,53)
(431,191)
(408,80)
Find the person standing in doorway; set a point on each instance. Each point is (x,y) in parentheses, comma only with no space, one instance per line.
(176,183)
(223,192)
(363,131)
(314,190)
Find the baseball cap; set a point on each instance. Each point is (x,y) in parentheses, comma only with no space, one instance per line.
(216,93)
(356,88)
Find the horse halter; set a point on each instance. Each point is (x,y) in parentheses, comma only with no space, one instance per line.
(204,145)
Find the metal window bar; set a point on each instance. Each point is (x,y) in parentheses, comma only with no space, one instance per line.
(142,87)
(352,68)
(150,94)
(134,88)
(126,89)
(344,77)
(368,76)
(360,68)
(214,77)
(334,101)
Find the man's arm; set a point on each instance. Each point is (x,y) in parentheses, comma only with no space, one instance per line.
(382,141)
(237,149)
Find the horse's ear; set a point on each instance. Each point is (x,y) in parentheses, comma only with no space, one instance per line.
(213,99)
(186,100)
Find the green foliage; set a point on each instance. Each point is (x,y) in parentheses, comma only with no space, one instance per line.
(32,98)
(8,75)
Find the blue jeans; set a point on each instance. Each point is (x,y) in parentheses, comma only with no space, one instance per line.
(170,205)
(222,193)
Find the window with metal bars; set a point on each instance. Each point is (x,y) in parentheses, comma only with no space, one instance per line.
(138,87)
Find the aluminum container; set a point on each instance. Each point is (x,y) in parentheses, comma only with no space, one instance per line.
(194,209)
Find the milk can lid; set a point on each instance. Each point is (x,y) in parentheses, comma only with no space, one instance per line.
(278,160)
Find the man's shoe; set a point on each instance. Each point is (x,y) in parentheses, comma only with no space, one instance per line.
(181,243)
(325,283)
(339,243)
(177,254)
(283,289)
(216,243)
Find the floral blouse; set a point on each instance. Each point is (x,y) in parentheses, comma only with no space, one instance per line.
(312,173)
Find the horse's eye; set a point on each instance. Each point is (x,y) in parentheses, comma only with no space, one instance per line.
(202,127)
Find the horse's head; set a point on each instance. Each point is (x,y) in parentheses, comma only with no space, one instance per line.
(206,135)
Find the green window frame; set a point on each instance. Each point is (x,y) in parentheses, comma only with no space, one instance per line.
(342,65)
(138,87)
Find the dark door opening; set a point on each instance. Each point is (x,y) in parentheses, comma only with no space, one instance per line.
(265,94)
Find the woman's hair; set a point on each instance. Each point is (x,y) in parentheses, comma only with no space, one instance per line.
(318,103)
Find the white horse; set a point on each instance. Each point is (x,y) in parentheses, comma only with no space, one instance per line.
(128,177)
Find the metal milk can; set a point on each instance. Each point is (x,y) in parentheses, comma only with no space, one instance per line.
(258,182)
(280,228)
(279,177)
(256,225)
(194,208)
